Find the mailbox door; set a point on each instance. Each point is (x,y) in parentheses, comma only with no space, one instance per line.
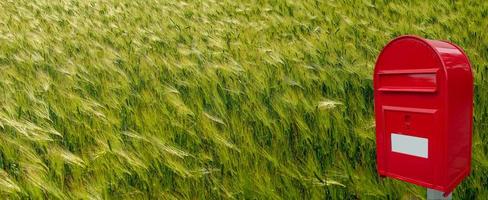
(411,138)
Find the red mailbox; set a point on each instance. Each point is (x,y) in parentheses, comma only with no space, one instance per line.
(423,92)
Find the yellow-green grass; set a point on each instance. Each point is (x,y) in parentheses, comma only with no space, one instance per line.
(123,99)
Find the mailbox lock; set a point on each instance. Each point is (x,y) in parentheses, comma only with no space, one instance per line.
(407,121)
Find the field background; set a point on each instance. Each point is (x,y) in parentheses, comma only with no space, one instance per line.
(123,99)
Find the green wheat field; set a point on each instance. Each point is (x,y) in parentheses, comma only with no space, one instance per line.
(212,99)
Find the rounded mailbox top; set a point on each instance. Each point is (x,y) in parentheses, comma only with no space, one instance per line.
(413,54)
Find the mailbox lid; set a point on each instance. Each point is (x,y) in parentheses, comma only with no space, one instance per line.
(409,64)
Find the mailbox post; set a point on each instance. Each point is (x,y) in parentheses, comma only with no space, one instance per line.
(423,92)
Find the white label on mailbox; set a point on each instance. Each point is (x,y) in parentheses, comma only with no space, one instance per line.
(410,145)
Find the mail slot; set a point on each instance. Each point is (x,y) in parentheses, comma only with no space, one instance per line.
(423,92)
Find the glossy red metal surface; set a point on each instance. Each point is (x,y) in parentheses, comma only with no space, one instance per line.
(423,93)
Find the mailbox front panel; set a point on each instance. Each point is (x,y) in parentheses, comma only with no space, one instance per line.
(410,108)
